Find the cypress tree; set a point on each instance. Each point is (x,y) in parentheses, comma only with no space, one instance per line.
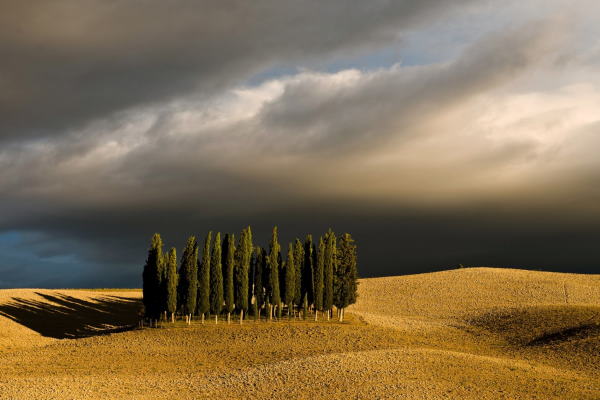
(204,279)
(281,275)
(161,300)
(345,282)
(282,281)
(330,259)
(307,284)
(152,278)
(319,277)
(241,272)
(298,264)
(273,265)
(188,278)
(216,279)
(171,281)
(228,266)
(258,291)
(290,279)
(160,279)
(163,292)
(251,280)
(266,276)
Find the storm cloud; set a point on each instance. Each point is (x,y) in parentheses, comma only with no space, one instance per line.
(67,62)
(120,119)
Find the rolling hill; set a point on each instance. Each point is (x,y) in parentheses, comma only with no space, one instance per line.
(475,333)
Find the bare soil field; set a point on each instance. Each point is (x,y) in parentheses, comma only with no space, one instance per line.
(476,333)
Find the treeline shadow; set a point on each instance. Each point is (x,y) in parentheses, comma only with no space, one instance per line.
(581,332)
(66,317)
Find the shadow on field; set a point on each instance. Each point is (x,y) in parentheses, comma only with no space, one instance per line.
(543,325)
(66,317)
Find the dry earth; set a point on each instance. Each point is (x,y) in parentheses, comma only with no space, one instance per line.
(477,333)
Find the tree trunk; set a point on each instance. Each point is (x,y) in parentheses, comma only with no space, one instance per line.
(241,316)
(202,318)
(316,315)
(190,319)
(172,318)
(270,312)
(216,319)
(257,316)
(341,312)
(228,317)
(328,311)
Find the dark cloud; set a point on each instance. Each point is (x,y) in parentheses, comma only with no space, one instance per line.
(66,62)
(125,119)
(390,242)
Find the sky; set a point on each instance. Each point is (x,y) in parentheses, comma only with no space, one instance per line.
(437,133)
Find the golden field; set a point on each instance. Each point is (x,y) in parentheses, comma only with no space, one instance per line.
(475,333)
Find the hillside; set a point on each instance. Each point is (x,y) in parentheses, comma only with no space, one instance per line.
(478,333)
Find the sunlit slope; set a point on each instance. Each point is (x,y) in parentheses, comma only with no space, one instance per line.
(471,291)
(552,318)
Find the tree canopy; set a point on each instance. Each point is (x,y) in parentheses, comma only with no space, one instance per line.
(239,276)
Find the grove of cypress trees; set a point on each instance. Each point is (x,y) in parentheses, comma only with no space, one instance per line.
(188,278)
(171,281)
(298,261)
(204,279)
(319,277)
(242,269)
(234,276)
(346,273)
(228,265)
(273,265)
(290,279)
(330,259)
(216,279)
(152,279)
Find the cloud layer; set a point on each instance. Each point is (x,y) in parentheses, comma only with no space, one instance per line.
(67,62)
(112,133)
